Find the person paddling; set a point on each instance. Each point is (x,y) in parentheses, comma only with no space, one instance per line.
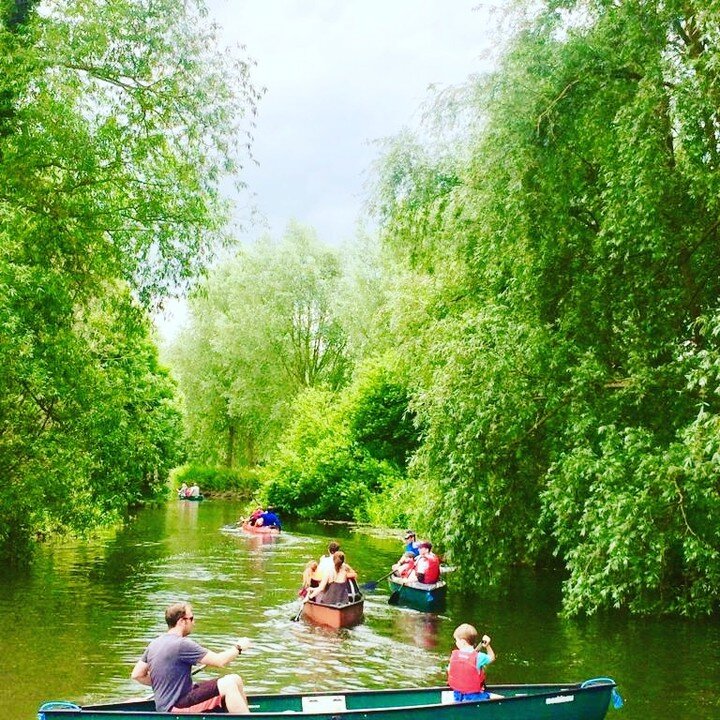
(339,586)
(166,666)
(466,671)
(326,564)
(269,519)
(411,543)
(309,578)
(427,567)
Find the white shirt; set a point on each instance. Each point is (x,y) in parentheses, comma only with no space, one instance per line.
(326,565)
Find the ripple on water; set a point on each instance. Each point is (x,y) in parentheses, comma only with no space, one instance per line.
(81,615)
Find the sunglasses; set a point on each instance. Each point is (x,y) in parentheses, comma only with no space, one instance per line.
(191,618)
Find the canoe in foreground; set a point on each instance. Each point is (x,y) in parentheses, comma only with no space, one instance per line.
(191,498)
(578,701)
(334,616)
(260,529)
(426,598)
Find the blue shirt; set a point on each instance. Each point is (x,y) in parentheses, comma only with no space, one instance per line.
(412,547)
(270,519)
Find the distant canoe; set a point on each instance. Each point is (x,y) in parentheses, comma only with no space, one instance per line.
(334,616)
(260,529)
(191,498)
(419,596)
(567,701)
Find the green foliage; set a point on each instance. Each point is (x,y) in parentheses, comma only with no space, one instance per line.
(397,502)
(117,122)
(262,328)
(556,269)
(638,518)
(218,480)
(94,429)
(378,413)
(324,468)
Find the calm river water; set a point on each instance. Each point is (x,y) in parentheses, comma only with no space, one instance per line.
(76,621)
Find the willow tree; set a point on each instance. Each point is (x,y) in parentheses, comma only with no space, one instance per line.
(117,122)
(570,261)
(262,328)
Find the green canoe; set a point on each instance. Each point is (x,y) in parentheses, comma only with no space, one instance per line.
(426,598)
(573,701)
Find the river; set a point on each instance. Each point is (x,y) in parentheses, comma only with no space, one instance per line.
(75,621)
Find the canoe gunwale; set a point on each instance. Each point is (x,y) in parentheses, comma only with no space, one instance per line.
(336,607)
(546,691)
(423,597)
(419,587)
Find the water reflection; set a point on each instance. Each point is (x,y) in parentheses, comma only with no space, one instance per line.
(80,617)
(421,628)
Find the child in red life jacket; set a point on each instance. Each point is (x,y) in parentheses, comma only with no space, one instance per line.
(466,672)
(405,565)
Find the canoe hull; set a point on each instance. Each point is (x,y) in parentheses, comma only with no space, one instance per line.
(430,598)
(260,529)
(519,702)
(334,616)
(191,498)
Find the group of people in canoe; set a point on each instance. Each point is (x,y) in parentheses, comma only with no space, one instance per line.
(166,666)
(418,563)
(262,517)
(330,580)
(189,492)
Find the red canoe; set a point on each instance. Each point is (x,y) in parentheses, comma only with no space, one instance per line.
(260,529)
(334,616)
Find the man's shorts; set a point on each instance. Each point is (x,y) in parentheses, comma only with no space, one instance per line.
(202,698)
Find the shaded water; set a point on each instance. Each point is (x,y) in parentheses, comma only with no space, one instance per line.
(75,622)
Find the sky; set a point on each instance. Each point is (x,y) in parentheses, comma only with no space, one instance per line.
(339,75)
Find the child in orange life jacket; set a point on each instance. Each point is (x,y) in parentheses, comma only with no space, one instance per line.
(466,672)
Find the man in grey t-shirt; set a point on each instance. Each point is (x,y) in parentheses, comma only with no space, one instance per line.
(166,665)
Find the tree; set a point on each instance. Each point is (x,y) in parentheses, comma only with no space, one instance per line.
(262,329)
(117,122)
(562,271)
(343,454)
(92,428)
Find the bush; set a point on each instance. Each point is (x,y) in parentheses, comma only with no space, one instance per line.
(320,469)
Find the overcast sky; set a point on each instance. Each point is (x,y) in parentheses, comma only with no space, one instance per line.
(340,74)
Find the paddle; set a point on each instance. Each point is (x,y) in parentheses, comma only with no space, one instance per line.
(394,598)
(373,585)
(299,612)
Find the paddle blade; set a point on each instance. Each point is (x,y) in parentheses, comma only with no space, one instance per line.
(299,612)
(372,585)
(394,598)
